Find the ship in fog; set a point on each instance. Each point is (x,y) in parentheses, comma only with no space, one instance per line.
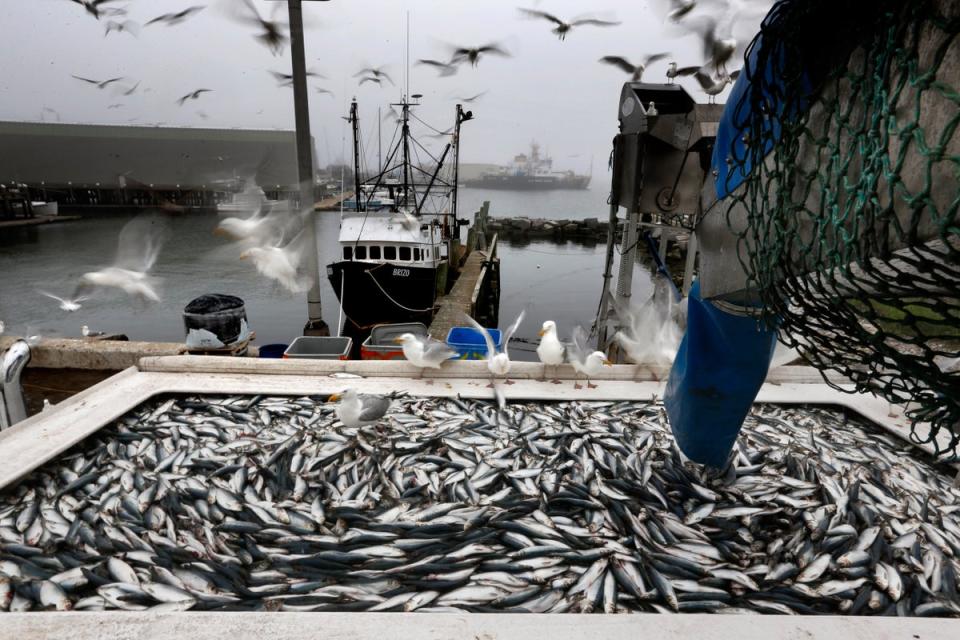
(529,172)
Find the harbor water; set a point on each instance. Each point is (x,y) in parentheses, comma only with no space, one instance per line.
(551,281)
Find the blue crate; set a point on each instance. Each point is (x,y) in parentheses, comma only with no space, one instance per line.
(469,342)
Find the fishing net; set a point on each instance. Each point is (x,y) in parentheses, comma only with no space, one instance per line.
(844,183)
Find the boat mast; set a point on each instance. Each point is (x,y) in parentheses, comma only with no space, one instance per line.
(405,134)
(456,161)
(355,125)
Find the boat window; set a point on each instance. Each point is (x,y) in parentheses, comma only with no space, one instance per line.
(416,255)
(404,253)
(361,253)
(389,253)
(348,253)
(374,253)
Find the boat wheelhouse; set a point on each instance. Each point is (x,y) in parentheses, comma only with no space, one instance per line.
(395,239)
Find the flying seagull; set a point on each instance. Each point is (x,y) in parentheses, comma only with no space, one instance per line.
(680,8)
(472,54)
(472,98)
(635,71)
(326,91)
(193,95)
(138,247)
(564,27)
(497,363)
(271,34)
(444,69)
(128,26)
(714,86)
(587,363)
(66,304)
(286,79)
(171,19)
(92,6)
(100,84)
(375,72)
(673,72)
(131,90)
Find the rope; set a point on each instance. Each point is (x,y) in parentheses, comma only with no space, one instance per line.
(390,298)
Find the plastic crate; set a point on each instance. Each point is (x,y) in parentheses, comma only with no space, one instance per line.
(273,350)
(319,348)
(370,351)
(383,335)
(469,342)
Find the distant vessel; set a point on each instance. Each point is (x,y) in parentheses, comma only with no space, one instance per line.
(530,172)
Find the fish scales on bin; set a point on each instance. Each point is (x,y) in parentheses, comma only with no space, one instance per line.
(272,503)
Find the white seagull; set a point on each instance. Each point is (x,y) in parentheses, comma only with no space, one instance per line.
(589,364)
(550,350)
(138,247)
(280,263)
(498,363)
(425,353)
(66,304)
(356,410)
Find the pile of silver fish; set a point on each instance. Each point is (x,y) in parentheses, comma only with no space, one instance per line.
(270,503)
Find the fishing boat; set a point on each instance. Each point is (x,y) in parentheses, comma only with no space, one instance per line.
(530,172)
(396,233)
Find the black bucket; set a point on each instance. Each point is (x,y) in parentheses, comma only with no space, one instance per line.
(222,315)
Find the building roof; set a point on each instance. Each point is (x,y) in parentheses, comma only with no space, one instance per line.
(83,154)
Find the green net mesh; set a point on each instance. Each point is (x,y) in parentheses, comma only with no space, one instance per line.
(847,221)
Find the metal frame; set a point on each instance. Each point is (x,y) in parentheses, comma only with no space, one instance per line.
(445,626)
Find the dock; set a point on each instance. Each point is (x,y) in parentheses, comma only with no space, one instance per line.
(477,290)
(35,221)
(332,203)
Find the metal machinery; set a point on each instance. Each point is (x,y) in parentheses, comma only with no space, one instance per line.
(660,161)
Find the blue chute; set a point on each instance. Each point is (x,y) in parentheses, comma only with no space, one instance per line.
(716,375)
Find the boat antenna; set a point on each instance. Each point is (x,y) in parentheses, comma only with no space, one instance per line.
(407,72)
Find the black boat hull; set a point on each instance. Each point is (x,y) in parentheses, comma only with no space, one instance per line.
(383,293)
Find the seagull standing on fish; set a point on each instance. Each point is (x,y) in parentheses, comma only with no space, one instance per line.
(635,71)
(425,353)
(550,350)
(589,364)
(497,363)
(360,410)
(564,27)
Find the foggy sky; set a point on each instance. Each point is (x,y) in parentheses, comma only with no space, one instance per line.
(552,91)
